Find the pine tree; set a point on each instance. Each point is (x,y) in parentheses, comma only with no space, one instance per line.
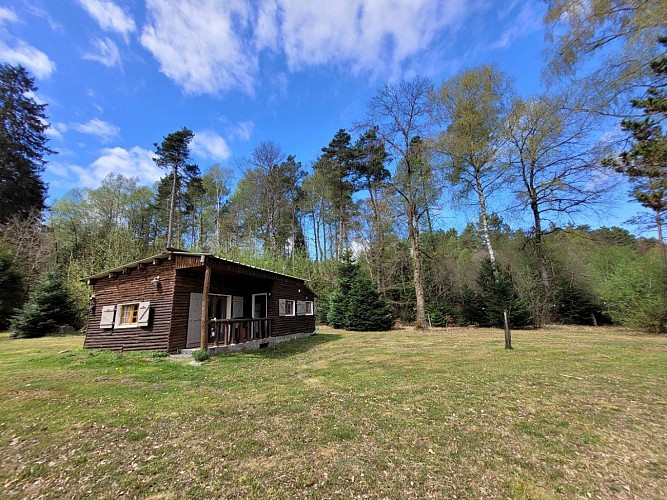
(356,304)
(498,295)
(173,154)
(472,306)
(22,144)
(645,163)
(367,309)
(11,288)
(576,306)
(48,307)
(339,301)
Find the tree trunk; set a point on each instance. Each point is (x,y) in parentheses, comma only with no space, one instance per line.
(380,244)
(508,332)
(484,219)
(543,264)
(316,236)
(661,240)
(539,250)
(172,204)
(427,209)
(420,319)
(203,344)
(218,243)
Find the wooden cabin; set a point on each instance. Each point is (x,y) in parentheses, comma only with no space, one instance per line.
(180,300)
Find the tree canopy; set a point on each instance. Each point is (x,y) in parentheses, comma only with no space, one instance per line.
(23,144)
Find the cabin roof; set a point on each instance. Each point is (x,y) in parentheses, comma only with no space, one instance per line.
(169,252)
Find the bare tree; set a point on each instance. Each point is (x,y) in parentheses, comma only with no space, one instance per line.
(558,168)
(472,106)
(33,246)
(604,47)
(399,113)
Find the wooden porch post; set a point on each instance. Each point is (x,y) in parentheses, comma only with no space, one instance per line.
(204,309)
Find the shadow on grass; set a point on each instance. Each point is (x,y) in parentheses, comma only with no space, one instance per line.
(298,346)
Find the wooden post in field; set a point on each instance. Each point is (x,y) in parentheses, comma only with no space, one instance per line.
(508,333)
(204,309)
(595,321)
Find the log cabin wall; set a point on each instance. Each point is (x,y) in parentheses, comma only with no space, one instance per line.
(134,285)
(286,288)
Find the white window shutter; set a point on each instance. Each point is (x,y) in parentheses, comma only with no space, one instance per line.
(108,313)
(237,307)
(281,307)
(119,316)
(144,313)
(300,308)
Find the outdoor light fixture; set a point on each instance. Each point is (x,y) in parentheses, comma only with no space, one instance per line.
(156,281)
(92,302)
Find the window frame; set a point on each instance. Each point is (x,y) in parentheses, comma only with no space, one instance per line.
(121,309)
(312,308)
(140,321)
(293,307)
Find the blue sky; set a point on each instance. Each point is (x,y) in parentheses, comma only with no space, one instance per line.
(119,75)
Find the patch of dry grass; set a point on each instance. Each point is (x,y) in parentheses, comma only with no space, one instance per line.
(570,412)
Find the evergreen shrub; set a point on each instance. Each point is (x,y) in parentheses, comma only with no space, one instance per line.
(48,307)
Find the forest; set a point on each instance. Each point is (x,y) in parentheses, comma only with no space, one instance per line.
(531,176)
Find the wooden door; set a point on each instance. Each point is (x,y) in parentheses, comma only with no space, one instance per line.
(194,321)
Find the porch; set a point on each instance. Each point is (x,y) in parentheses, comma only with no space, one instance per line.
(224,332)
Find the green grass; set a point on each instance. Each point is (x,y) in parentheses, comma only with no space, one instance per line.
(568,413)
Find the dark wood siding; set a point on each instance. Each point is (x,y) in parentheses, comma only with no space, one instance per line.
(192,280)
(135,285)
(285,288)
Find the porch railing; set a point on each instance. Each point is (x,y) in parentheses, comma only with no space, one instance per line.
(237,331)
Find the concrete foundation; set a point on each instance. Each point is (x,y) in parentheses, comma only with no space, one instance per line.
(251,345)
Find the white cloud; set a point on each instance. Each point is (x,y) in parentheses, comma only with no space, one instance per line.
(200,44)
(135,162)
(527,21)
(53,133)
(266,28)
(372,36)
(104,131)
(208,144)
(210,47)
(55,130)
(36,61)
(106,52)
(7,15)
(242,131)
(109,16)
(38,11)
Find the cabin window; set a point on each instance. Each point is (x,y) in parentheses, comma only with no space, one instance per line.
(286,307)
(129,314)
(132,315)
(304,307)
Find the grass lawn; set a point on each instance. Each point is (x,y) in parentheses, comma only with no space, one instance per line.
(571,412)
